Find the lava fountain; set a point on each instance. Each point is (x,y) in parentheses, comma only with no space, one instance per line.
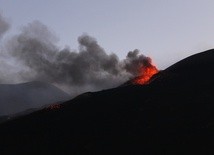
(146,72)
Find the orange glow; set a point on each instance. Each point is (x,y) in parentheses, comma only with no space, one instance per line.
(54,107)
(146,73)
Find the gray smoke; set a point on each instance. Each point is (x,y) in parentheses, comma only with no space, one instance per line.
(37,57)
(4,26)
(134,61)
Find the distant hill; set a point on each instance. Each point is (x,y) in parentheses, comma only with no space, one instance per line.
(16,98)
(173,114)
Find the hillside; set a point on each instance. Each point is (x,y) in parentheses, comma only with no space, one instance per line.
(171,115)
(16,98)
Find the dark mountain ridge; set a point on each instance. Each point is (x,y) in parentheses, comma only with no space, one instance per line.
(16,98)
(173,114)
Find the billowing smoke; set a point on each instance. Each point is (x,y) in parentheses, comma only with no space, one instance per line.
(36,56)
(4,26)
(134,62)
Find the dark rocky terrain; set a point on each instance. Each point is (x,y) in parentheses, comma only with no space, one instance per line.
(171,115)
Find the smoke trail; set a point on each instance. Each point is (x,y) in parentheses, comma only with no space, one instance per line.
(38,57)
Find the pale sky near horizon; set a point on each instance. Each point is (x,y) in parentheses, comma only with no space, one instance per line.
(166,30)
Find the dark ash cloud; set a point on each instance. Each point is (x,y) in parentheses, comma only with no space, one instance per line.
(134,61)
(4,26)
(88,69)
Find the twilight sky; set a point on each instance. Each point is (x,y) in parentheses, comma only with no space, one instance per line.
(166,30)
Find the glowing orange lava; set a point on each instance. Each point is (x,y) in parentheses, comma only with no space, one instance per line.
(145,74)
(53,107)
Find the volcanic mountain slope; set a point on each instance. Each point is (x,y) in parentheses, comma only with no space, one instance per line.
(16,98)
(171,115)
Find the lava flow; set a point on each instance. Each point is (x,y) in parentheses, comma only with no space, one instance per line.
(146,72)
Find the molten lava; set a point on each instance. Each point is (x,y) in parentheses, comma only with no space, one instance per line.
(146,72)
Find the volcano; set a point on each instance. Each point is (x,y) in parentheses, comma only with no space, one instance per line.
(173,114)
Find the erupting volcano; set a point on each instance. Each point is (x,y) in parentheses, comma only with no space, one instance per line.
(146,72)
(172,115)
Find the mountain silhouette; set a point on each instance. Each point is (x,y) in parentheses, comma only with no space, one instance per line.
(16,98)
(173,114)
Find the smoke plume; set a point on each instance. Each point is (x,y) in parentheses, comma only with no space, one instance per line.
(34,55)
(4,26)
